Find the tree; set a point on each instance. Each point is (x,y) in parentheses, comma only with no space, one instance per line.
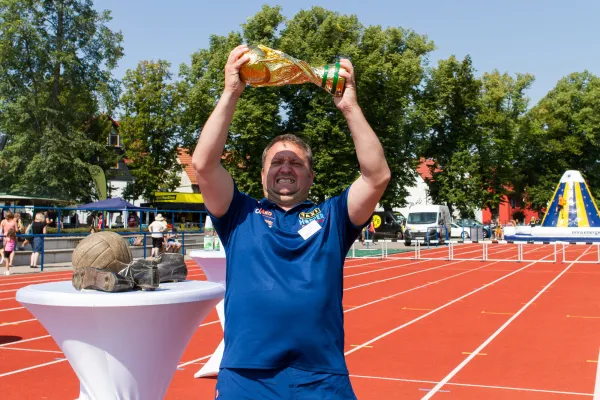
(389,67)
(562,132)
(150,128)
(503,105)
(55,63)
(450,105)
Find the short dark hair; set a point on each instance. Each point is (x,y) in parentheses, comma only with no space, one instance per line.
(291,138)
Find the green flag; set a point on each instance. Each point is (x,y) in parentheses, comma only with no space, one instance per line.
(100,181)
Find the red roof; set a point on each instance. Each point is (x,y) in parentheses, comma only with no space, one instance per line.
(186,160)
(424,168)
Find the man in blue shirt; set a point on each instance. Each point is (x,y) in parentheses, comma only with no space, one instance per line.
(284,334)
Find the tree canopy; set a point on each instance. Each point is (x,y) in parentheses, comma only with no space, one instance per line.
(55,79)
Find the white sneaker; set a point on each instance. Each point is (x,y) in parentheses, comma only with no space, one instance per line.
(2,260)
(6,272)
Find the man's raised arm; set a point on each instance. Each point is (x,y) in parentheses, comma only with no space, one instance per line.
(366,191)
(214,181)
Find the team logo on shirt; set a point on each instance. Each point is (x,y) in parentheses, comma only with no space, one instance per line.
(269,222)
(306,218)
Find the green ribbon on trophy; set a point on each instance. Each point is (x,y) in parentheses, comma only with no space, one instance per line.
(268,67)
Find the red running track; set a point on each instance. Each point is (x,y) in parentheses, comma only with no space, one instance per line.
(414,329)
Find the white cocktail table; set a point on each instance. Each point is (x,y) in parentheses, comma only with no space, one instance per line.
(122,345)
(213,266)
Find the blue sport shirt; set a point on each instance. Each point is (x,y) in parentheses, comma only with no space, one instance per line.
(283,302)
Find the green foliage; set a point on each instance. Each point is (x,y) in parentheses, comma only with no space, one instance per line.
(150,129)
(562,132)
(389,67)
(55,62)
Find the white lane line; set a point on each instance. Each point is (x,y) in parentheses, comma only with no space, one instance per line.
(11,309)
(493,336)
(8,298)
(597,387)
(437,309)
(32,282)
(25,340)
(416,287)
(208,323)
(34,350)
(193,361)
(32,367)
(17,322)
(474,385)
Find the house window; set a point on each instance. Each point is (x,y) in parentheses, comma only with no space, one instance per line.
(114,139)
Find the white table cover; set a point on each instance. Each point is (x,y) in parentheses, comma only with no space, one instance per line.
(122,345)
(213,266)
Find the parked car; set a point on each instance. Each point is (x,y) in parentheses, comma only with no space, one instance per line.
(458,231)
(468,222)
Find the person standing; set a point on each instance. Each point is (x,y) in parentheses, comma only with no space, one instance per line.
(6,225)
(38,227)
(284,335)
(157,229)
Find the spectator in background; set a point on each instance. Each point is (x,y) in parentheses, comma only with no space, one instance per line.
(91,219)
(157,229)
(100,222)
(10,243)
(20,230)
(6,225)
(173,245)
(132,221)
(119,221)
(37,228)
(532,222)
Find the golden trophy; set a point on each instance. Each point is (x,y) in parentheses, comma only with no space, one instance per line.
(268,67)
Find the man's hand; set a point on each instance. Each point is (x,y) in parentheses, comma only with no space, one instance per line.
(233,83)
(348,102)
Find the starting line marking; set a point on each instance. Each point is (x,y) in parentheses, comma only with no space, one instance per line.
(477,354)
(518,389)
(582,316)
(356,345)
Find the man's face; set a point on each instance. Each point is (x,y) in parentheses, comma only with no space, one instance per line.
(286,175)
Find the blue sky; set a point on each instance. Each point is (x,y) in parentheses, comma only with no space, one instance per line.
(549,39)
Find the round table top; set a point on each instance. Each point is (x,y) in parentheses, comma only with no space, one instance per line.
(207,254)
(64,294)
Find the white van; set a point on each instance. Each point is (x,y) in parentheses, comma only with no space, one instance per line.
(423,220)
